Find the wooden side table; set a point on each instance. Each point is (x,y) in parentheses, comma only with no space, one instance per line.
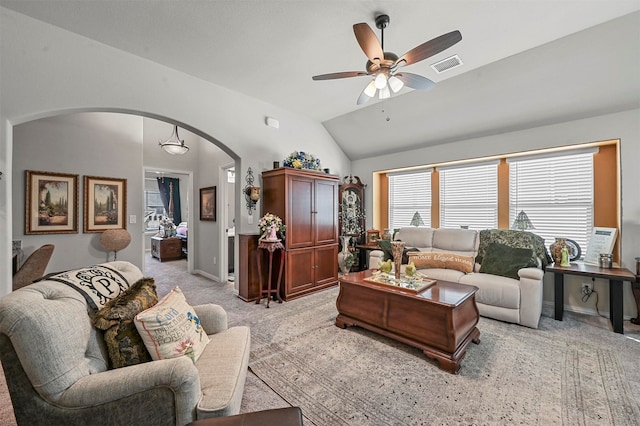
(616,277)
(266,288)
(635,288)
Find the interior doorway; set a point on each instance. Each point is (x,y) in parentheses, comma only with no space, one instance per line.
(154,210)
(228,180)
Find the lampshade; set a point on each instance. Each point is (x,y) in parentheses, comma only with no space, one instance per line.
(522,222)
(395,83)
(380,80)
(254,193)
(115,240)
(174,145)
(416,220)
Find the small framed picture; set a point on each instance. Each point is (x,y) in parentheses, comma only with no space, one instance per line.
(373,235)
(51,205)
(208,203)
(105,203)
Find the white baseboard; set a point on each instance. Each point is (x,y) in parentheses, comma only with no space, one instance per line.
(583,311)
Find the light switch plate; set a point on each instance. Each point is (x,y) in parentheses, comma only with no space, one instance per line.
(132,218)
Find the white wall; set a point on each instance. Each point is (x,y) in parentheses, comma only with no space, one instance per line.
(47,71)
(624,126)
(72,144)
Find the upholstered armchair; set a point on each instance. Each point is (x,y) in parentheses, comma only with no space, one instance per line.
(58,368)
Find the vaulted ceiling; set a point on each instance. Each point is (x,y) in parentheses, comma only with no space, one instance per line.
(525,63)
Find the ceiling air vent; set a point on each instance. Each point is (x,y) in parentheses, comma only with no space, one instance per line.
(447,64)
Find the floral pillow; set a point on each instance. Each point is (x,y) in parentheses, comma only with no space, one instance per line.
(171,328)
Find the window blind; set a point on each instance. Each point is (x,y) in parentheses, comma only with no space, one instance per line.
(556,193)
(469,196)
(409,193)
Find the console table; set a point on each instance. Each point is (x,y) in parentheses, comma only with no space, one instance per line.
(616,277)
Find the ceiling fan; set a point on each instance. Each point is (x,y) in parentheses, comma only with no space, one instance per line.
(385,66)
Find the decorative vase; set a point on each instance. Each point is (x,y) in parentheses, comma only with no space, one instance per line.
(272,233)
(344,254)
(556,250)
(397,248)
(386,235)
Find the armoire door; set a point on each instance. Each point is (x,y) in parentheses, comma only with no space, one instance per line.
(300,215)
(326,212)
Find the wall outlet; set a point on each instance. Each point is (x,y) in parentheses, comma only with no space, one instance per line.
(215,260)
(587,288)
(16,245)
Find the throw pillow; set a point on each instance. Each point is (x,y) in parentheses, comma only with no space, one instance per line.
(442,260)
(505,261)
(385,246)
(171,328)
(124,344)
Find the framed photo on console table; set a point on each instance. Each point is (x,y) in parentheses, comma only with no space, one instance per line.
(51,203)
(602,241)
(373,235)
(105,203)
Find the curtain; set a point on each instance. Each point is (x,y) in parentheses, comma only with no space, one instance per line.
(170,194)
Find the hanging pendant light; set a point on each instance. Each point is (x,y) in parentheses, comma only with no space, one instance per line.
(174,145)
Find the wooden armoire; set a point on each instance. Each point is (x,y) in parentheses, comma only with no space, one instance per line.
(307,202)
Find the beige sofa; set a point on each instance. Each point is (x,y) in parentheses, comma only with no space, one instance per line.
(56,364)
(507,299)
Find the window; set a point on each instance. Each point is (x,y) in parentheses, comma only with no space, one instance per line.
(556,193)
(469,196)
(153,209)
(409,193)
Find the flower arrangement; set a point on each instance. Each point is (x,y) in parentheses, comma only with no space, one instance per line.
(349,260)
(269,220)
(167,227)
(302,160)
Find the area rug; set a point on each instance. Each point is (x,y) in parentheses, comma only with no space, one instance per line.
(514,376)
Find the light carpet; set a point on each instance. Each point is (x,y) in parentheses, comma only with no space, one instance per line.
(355,377)
(572,372)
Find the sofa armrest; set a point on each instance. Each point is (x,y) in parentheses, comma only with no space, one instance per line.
(531,273)
(177,374)
(213,318)
(375,256)
(530,296)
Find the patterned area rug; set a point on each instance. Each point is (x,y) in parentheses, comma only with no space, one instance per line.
(515,376)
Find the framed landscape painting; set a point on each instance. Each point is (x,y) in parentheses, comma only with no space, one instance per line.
(51,204)
(208,203)
(105,203)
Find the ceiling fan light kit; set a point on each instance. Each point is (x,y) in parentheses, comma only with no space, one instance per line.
(384,66)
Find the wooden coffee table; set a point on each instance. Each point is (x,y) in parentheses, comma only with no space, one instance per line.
(441,320)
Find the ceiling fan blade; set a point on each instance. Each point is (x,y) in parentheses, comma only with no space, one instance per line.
(430,48)
(415,81)
(335,75)
(368,42)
